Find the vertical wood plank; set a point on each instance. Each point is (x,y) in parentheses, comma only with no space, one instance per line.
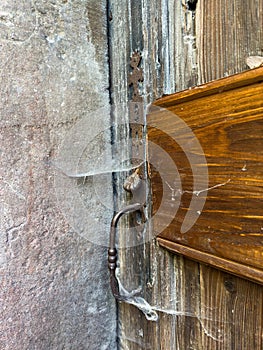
(233,309)
(227,33)
(125,38)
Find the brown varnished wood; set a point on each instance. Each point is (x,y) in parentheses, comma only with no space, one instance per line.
(226,117)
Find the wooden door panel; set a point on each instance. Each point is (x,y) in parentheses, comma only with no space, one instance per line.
(226,118)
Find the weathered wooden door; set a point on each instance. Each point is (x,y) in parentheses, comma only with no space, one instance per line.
(182,44)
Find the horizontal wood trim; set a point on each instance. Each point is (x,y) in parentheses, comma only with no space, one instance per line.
(241,270)
(218,86)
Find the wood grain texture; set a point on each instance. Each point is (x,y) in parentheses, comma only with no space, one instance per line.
(227,33)
(155,28)
(233,310)
(193,298)
(228,123)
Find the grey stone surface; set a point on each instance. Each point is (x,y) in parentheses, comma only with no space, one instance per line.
(54,291)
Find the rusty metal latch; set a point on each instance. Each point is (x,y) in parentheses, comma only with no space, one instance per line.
(112,251)
(136,186)
(136,76)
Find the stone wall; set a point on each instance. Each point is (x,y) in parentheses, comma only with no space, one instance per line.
(54,290)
